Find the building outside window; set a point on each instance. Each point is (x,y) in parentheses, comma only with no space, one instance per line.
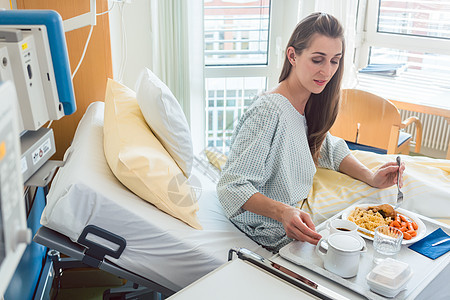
(415,34)
(236,36)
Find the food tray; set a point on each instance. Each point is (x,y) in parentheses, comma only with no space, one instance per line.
(424,269)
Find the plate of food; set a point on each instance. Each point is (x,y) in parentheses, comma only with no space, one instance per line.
(370,216)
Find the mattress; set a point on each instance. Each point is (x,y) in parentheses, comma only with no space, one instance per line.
(159,247)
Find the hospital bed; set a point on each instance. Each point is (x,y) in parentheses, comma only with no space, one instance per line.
(161,252)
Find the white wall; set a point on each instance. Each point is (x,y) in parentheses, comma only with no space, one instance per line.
(346,12)
(5,4)
(137,24)
(285,17)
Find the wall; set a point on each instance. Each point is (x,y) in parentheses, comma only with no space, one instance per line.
(5,4)
(137,25)
(90,80)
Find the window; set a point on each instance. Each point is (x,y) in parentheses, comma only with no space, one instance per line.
(236,32)
(227,100)
(412,33)
(238,67)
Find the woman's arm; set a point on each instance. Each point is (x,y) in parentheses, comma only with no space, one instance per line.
(297,224)
(384,177)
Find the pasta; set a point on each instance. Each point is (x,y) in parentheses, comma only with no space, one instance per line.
(368,219)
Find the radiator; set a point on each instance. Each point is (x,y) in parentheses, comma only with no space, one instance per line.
(436,130)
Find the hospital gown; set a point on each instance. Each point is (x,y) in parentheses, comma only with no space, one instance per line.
(270,155)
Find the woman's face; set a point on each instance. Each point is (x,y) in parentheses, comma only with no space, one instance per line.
(317,64)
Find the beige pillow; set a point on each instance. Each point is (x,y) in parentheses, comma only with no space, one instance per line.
(140,162)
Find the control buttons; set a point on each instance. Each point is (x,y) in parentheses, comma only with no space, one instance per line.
(30,74)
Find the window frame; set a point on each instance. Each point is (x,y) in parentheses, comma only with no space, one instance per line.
(274,55)
(370,37)
(277,40)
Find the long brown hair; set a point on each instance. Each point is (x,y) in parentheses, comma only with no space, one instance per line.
(321,109)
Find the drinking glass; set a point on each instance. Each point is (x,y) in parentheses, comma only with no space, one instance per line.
(387,242)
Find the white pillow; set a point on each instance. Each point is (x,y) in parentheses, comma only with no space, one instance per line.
(165,117)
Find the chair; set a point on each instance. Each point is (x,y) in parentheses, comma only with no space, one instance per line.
(372,123)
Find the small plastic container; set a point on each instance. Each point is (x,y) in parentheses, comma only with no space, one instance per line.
(389,277)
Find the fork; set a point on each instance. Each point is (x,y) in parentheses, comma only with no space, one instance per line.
(399,194)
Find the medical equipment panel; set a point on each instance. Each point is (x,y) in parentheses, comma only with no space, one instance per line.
(14,234)
(26,74)
(46,27)
(34,56)
(34,64)
(37,148)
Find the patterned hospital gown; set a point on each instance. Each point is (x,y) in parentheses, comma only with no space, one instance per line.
(270,155)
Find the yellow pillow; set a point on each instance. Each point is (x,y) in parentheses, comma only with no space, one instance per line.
(215,158)
(139,161)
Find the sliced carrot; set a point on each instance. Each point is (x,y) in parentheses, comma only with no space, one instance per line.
(413,233)
(403,229)
(406,236)
(409,226)
(414,225)
(402,217)
(395,224)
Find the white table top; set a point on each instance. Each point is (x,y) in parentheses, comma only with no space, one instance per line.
(238,279)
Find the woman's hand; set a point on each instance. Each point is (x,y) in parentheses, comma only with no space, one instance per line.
(386,175)
(299,226)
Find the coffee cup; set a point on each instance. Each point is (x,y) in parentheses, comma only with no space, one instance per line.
(343,226)
(341,256)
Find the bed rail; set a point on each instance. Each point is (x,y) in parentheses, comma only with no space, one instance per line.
(61,243)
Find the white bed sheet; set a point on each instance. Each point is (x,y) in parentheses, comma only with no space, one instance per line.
(159,247)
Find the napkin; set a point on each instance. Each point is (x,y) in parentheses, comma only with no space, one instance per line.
(424,245)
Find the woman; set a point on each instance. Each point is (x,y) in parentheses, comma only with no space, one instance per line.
(283,136)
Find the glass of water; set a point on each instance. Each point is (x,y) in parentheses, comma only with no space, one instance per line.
(387,242)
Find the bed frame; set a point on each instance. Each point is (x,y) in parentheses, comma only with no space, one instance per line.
(88,253)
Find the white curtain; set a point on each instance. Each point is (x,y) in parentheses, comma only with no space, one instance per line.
(174,27)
